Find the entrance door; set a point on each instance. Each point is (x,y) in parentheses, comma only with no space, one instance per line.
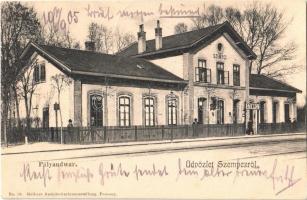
(220,112)
(201,110)
(46,117)
(235,111)
(287,115)
(275,104)
(96,105)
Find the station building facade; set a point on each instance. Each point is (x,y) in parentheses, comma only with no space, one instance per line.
(195,77)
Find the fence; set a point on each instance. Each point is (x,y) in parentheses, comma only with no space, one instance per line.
(276,128)
(113,134)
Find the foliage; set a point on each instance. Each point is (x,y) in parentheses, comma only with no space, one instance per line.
(180,28)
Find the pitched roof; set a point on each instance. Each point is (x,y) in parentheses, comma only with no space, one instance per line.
(188,40)
(262,82)
(93,63)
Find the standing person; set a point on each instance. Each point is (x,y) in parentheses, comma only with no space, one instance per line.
(250,130)
(69,129)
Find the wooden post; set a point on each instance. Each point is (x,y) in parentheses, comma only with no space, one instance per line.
(78,135)
(135,133)
(186,131)
(105,134)
(162,132)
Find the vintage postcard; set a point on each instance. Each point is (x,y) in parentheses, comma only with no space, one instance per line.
(153,99)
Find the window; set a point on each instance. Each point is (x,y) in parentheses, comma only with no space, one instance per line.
(96,110)
(124,111)
(219,47)
(262,112)
(202,74)
(172,111)
(222,76)
(46,117)
(236,75)
(149,111)
(275,108)
(39,73)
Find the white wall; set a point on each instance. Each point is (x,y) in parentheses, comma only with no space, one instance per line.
(281,107)
(232,57)
(45,95)
(137,104)
(172,64)
(227,96)
(224,92)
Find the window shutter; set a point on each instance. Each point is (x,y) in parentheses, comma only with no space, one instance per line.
(43,72)
(226,77)
(197,74)
(208,75)
(36,75)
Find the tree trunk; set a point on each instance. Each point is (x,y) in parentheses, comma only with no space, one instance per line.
(4,120)
(17,108)
(27,115)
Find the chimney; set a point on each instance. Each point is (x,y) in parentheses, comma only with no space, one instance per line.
(158,34)
(90,46)
(141,39)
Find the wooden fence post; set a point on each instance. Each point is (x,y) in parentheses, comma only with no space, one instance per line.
(162,132)
(135,133)
(105,134)
(186,131)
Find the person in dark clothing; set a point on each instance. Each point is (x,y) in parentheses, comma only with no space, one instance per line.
(250,130)
(195,121)
(70,124)
(69,130)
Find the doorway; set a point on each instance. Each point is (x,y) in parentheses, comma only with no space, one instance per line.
(201,110)
(287,113)
(46,117)
(220,112)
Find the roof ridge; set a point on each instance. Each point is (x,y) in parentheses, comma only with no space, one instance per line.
(189,31)
(81,50)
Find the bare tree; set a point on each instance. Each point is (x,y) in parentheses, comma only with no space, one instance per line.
(26,87)
(102,36)
(55,37)
(180,28)
(19,24)
(212,15)
(59,83)
(123,40)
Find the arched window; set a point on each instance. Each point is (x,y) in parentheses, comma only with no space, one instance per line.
(172,103)
(96,110)
(275,111)
(149,111)
(124,104)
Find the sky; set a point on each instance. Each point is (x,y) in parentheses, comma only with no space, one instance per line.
(76,16)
